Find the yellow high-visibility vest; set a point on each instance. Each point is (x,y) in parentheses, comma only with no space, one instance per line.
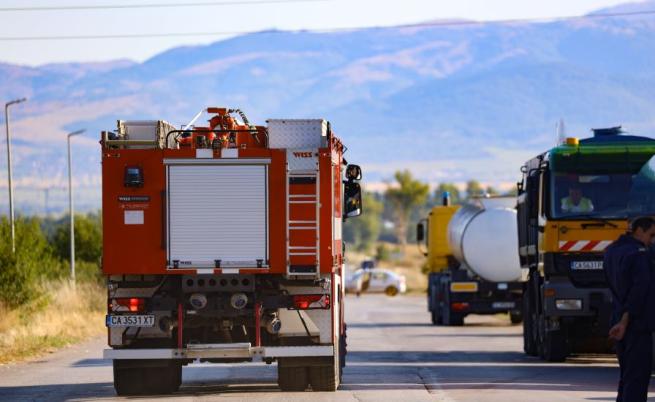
(584,205)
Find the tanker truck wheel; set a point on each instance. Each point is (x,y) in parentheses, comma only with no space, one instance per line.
(452,319)
(436,317)
(456,320)
(515,317)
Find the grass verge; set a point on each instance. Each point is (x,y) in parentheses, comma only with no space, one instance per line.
(58,317)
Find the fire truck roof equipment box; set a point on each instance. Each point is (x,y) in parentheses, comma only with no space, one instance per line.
(297,133)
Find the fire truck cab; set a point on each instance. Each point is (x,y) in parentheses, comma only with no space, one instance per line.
(223,243)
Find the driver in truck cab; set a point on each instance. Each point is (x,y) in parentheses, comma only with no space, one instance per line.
(576,201)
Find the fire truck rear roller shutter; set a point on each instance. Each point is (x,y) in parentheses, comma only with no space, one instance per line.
(217,212)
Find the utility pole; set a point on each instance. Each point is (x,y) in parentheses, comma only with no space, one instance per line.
(11,188)
(71,209)
(46,196)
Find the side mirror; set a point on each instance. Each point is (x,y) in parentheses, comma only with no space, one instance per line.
(352,200)
(420,232)
(353,172)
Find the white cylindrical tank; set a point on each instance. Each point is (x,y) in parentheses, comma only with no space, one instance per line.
(484,237)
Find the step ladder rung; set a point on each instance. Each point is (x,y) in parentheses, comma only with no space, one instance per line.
(303,253)
(302,173)
(303,202)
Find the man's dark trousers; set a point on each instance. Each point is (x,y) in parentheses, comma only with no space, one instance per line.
(635,353)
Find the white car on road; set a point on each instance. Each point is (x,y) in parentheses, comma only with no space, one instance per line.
(376,280)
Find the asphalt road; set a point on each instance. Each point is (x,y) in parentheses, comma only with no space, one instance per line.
(394,355)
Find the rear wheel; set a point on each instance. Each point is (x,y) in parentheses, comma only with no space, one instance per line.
(324,378)
(457,320)
(529,344)
(343,351)
(327,377)
(146,377)
(555,348)
(452,319)
(391,291)
(515,317)
(293,379)
(436,317)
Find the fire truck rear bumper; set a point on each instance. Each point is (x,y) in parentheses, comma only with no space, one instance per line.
(221,351)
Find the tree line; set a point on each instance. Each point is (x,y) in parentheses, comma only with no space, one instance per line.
(389,216)
(43,253)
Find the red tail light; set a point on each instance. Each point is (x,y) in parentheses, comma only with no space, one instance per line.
(307,302)
(459,306)
(132,304)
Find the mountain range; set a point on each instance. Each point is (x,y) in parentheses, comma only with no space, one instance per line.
(450,102)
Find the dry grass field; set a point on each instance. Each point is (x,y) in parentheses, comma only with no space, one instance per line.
(61,316)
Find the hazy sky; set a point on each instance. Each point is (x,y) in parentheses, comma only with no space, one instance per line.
(311,14)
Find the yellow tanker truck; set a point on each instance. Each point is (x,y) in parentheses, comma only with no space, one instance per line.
(472,261)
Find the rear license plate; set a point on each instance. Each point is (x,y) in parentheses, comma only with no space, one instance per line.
(130,320)
(586,265)
(500,305)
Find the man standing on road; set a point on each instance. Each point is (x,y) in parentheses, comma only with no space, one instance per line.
(628,270)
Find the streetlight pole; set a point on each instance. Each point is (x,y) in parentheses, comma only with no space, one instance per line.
(11,189)
(71,210)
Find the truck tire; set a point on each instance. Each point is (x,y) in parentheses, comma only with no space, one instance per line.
(433,304)
(293,379)
(132,379)
(436,317)
(529,344)
(343,350)
(324,378)
(456,320)
(452,319)
(126,381)
(515,317)
(555,348)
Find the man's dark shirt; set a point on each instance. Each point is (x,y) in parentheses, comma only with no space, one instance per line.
(628,271)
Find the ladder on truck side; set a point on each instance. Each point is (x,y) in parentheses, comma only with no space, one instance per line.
(303,213)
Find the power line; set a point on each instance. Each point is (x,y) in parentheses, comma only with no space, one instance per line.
(154,5)
(330,30)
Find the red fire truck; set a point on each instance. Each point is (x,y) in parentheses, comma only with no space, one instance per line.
(223,243)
